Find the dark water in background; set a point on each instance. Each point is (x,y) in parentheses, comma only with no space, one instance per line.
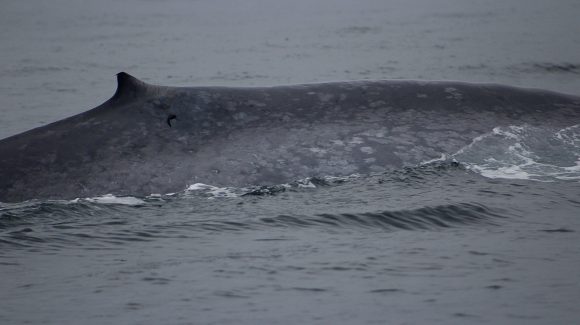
(491,239)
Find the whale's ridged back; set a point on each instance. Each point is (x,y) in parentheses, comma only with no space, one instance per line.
(151,139)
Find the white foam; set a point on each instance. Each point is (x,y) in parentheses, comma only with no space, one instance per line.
(570,135)
(214,191)
(443,157)
(111,199)
(306,184)
(524,152)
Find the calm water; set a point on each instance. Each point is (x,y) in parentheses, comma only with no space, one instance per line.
(489,234)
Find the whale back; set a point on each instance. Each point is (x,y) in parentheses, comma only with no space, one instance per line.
(152,139)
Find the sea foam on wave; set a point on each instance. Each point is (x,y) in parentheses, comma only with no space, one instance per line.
(111,199)
(525,152)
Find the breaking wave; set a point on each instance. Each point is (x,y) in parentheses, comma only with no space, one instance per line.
(524,152)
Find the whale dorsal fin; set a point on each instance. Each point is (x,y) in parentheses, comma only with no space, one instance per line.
(129,86)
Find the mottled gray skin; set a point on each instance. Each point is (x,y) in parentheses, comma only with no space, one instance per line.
(259,136)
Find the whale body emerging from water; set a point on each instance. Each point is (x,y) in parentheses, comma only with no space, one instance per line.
(153,139)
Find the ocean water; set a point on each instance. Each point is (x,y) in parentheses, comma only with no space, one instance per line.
(488,234)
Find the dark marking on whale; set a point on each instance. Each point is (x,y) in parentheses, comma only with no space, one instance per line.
(169,118)
(260,135)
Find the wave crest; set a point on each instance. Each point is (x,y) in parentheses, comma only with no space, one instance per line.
(525,152)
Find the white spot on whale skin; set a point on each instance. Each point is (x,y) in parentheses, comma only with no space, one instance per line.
(256,103)
(370,160)
(380,133)
(377,104)
(356,140)
(239,116)
(337,142)
(453,93)
(422,96)
(325,97)
(367,150)
(318,151)
(232,107)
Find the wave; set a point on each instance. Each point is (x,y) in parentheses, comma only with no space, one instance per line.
(426,218)
(91,225)
(108,222)
(523,152)
(210,191)
(112,199)
(83,206)
(408,175)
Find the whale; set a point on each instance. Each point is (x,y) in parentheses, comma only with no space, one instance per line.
(149,139)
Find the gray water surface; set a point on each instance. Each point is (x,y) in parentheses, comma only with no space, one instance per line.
(438,245)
